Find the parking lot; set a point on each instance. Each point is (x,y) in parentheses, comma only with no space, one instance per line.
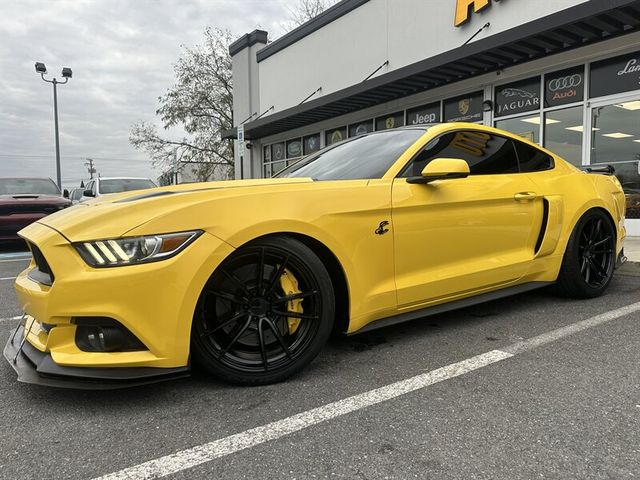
(533,386)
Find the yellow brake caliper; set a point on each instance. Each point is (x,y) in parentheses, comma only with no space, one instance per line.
(289,285)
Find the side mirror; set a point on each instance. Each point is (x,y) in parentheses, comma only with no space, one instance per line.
(65,193)
(88,193)
(442,169)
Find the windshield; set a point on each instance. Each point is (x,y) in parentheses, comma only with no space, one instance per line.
(364,157)
(124,185)
(30,186)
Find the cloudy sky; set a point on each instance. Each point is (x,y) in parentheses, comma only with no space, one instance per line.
(121,53)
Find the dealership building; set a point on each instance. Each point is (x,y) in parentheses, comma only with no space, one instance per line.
(562,73)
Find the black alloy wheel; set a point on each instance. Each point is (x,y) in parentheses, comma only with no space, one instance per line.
(590,258)
(264,314)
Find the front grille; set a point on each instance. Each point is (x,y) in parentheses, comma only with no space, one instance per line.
(42,273)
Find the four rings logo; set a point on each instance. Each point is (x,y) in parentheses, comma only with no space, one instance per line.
(564,83)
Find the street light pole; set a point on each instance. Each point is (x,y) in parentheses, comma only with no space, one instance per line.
(55,116)
(66,74)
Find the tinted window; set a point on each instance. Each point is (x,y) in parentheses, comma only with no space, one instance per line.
(531,159)
(17,186)
(486,154)
(124,185)
(366,156)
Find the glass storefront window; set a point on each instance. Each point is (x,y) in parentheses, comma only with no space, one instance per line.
(563,133)
(527,127)
(615,140)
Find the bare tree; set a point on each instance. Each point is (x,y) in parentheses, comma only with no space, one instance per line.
(201,104)
(305,10)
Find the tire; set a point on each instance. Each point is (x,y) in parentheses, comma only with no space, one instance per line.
(590,258)
(264,314)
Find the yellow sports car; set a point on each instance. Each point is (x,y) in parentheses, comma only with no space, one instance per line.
(249,278)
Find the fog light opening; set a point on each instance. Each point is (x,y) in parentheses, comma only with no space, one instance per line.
(99,334)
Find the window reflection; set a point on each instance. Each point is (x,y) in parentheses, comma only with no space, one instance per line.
(563,133)
(527,127)
(616,140)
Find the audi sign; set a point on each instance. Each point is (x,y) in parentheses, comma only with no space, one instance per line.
(564,87)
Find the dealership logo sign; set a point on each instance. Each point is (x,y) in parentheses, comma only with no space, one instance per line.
(632,66)
(519,101)
(464,8)
(516,92)
(565,87)
(464,105)
(562,83)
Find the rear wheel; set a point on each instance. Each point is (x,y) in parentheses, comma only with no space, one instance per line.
(264,314)
(590,258)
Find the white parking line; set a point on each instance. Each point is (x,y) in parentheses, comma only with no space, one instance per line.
(204,453)
(8,278)
(10,319)
(200,454)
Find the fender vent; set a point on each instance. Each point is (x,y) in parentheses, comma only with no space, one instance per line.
(543,227)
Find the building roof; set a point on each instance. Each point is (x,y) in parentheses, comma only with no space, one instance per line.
(584,24)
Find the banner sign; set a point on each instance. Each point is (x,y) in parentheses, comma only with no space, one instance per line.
(615,75)
(336,135)
(360,128)
(424,114)
(392,120)
(565,86)
(278,152)
(311,143)
(518,97)
(467,108)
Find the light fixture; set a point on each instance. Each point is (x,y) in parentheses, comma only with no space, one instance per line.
(536,121)
(617,135)
(66,72)
(40,67)
(580,128)
(630,105)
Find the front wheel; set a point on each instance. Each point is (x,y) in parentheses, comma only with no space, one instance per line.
(264,314)
(590,257)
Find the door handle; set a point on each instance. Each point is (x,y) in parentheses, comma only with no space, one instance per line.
(525,196)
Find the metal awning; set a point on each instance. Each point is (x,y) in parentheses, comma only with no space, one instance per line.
(584,24)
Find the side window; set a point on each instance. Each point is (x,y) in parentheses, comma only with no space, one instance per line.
(89,186)
(486,154)
(532,159)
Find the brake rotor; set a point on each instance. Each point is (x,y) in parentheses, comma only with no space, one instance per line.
(289,285)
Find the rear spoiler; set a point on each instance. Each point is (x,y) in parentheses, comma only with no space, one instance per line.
(604,169)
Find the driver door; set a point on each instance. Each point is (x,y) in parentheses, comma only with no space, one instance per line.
(461,236)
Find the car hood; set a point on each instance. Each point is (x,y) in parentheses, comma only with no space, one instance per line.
(114,215)
(33,198)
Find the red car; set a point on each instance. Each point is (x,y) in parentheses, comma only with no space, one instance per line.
(26,200)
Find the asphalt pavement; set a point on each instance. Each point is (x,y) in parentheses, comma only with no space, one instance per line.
(568,407)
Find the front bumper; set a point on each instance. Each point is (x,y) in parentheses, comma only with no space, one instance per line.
(36,367)
(155,302)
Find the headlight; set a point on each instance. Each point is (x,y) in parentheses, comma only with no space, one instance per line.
(134,250)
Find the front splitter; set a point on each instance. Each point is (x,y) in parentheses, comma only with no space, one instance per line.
(36,367)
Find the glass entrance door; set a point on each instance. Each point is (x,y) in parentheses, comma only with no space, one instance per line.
(615,140)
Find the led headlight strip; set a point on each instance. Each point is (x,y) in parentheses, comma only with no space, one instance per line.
(134,250)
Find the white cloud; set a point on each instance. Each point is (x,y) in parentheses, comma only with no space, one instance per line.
(122,54)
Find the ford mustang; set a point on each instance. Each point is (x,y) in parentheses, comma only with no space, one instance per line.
(248,279)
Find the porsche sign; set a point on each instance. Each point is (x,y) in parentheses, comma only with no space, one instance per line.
(464,8)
